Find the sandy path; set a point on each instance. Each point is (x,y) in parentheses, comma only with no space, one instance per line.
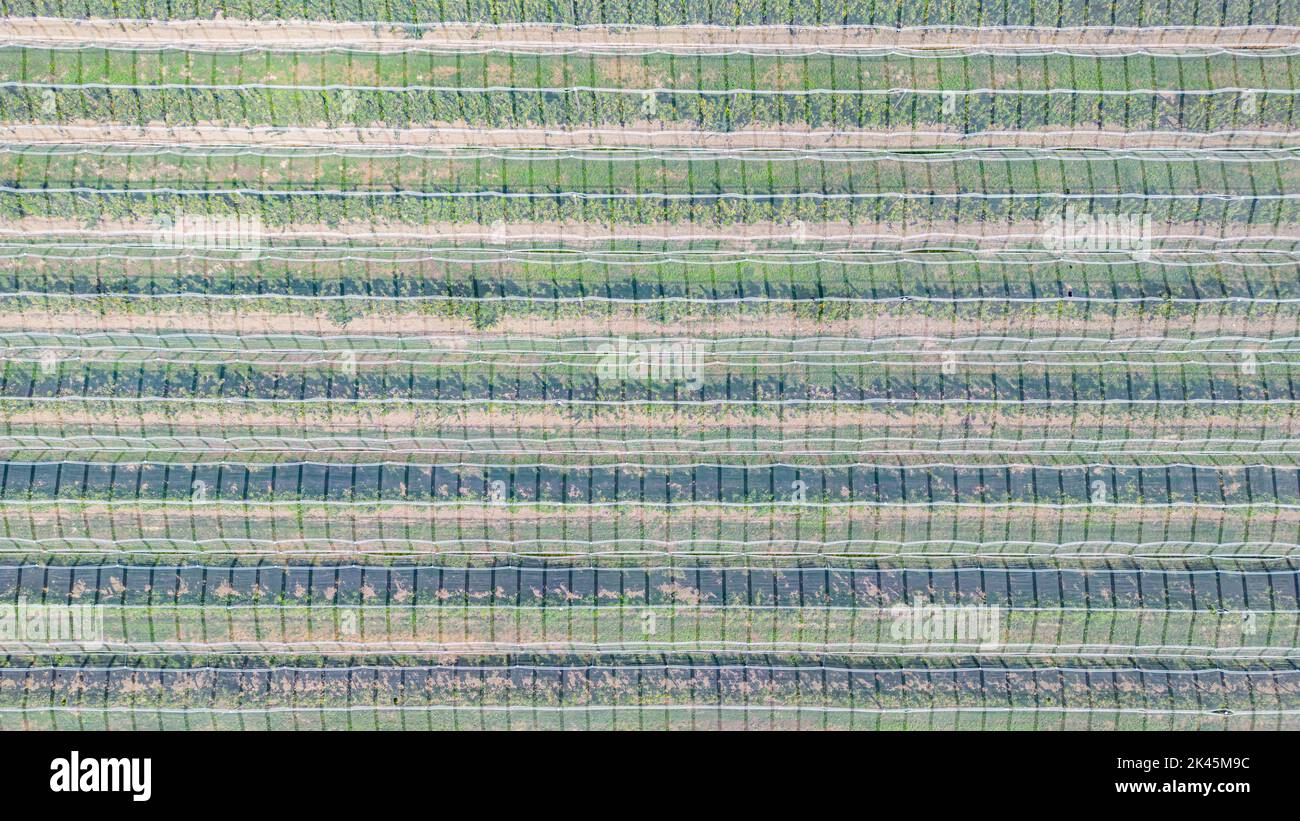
(633,422)
(383,37)
(393,519)
(1025,235)
(637,134)
(777,320)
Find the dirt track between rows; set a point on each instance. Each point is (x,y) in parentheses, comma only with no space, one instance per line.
(888,234)
(630,320)
(642,134)
(383,37)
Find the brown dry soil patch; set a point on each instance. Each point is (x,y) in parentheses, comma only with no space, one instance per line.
(240,318)
(314,34)
(1024,235)
(641,134)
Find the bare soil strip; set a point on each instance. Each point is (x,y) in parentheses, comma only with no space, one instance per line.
(385,37)
(631,422)
(644,134)
(1025,235)
(69,519)
(631,321)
